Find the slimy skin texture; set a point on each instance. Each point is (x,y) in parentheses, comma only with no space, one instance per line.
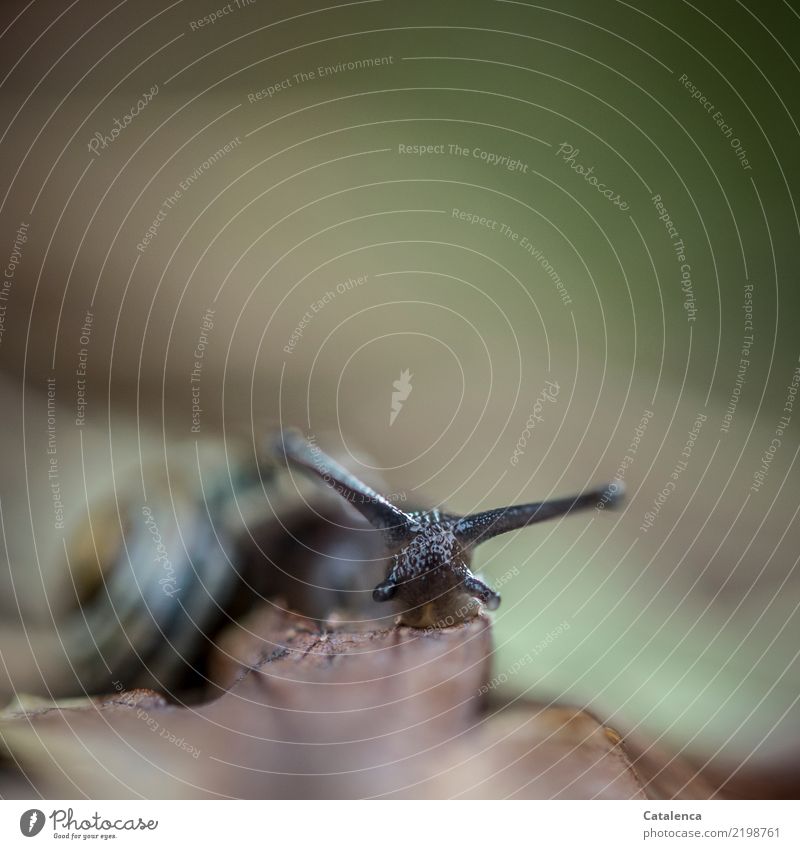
(431,551)
(431,576)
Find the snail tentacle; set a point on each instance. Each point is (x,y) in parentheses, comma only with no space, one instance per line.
(396,525)
(479,527)
(485,594)
(386,590)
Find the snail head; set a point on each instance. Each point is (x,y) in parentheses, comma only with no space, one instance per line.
(431,551)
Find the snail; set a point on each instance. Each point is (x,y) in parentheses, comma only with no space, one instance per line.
(431,551)
(158,576)
(166,572)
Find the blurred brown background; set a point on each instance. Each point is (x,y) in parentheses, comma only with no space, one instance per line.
(687,629)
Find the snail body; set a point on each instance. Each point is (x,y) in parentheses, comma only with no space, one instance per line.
(432,551)
(169,568)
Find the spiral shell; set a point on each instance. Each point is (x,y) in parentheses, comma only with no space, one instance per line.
(156,579)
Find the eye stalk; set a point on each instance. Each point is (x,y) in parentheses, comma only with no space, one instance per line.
(397,527)
(385,591)
(431,550)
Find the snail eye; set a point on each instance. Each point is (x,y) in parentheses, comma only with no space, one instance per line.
(493,602)
(385,590)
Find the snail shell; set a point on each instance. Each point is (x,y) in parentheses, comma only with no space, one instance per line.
(156,578)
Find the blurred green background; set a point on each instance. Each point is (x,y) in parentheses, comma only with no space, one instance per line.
(687,628)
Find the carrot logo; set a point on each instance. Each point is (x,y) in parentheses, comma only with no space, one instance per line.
(31,822)
(400,395)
